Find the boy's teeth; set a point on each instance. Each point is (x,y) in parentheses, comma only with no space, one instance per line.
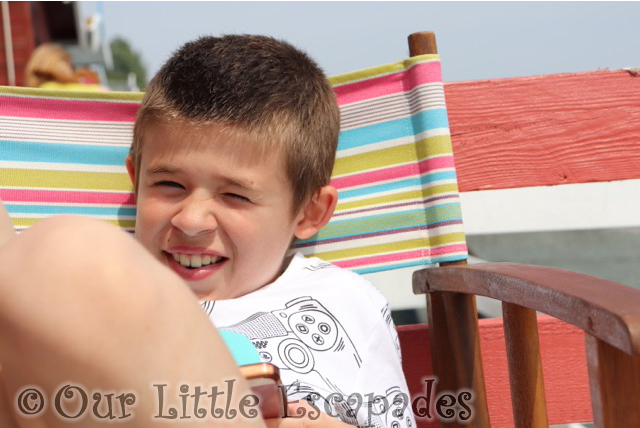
(195,260)
(184,260)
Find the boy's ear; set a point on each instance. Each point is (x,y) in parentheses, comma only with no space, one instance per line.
(131,169)
(316,212)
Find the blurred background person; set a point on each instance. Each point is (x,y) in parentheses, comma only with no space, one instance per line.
(50,67)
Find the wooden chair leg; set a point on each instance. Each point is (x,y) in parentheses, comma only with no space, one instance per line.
(525,366)
(455,351)
(614,380)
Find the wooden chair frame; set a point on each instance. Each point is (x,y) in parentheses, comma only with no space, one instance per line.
(608,312)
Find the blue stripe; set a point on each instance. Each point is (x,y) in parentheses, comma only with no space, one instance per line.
(31,151)
(395,185)
(424,262)
(392,129)
(75,209)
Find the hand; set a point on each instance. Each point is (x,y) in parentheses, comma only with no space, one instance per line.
(303,415)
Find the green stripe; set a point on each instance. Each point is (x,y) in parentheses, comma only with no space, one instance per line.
(389,221)
(404,153)
(88,95)
(410,244)
(398,197)
(365,73)
(65,179)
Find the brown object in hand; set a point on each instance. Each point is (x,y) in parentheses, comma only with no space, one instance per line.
(264,380)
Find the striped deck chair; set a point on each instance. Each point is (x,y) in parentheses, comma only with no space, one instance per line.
(398,199)
(398,206)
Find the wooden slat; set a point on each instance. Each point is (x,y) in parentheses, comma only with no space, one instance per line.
(563,361)
(545,130)
(456,351)
(525,367)
(615,385)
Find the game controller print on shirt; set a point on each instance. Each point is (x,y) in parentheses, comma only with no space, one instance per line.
(330,332)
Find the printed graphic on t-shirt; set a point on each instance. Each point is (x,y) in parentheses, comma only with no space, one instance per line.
(303,337)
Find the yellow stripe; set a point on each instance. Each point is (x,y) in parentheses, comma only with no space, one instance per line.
(21,221)
(56,93)
(65,179)
(366,73)
(425,147)
(410,244)
(396,197)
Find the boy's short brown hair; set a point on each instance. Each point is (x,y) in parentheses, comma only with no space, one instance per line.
(258,86)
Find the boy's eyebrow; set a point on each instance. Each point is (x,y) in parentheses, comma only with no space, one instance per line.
(162,169)
(234,181)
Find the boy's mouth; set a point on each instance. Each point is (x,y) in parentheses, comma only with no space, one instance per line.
(195,261)
(194,267)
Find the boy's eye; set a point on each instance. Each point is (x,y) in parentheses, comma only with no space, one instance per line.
(238,197)
(169,184)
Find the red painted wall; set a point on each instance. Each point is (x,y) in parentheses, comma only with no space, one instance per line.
(23,40)
(564,365)
(545,130)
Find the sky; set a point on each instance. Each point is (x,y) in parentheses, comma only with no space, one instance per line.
(476,40)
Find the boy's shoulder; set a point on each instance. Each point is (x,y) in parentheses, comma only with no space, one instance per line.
(312,280)
(320,277)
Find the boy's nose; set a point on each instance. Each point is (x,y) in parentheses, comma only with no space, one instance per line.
(195,218)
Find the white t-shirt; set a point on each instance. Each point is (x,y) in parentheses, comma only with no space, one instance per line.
(331,334)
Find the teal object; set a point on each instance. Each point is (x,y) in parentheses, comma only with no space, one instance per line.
(241,348)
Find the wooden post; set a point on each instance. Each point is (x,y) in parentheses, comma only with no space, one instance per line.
(525,366)
(453,319)
(614,381)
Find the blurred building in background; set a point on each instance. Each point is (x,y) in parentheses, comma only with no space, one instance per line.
(25,25)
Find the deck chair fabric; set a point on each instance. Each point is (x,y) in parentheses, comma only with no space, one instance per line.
(63,152)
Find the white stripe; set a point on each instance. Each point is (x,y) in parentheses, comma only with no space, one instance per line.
(121,169)
(20,229)
(582,206)
(67,131)
(104,140)
(100,217)
(67,122)
(415,93)
(436,132)
(58,189)
(386,116)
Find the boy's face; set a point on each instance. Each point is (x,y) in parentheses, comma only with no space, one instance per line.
(225,215)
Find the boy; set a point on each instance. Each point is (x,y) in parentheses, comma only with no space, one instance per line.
(233,149)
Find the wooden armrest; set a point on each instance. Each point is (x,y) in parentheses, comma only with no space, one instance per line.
(605,309)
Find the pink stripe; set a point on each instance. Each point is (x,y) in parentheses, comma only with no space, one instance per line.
(48,108)
(389,84)
(386,258)
(393,172)
(65,196)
